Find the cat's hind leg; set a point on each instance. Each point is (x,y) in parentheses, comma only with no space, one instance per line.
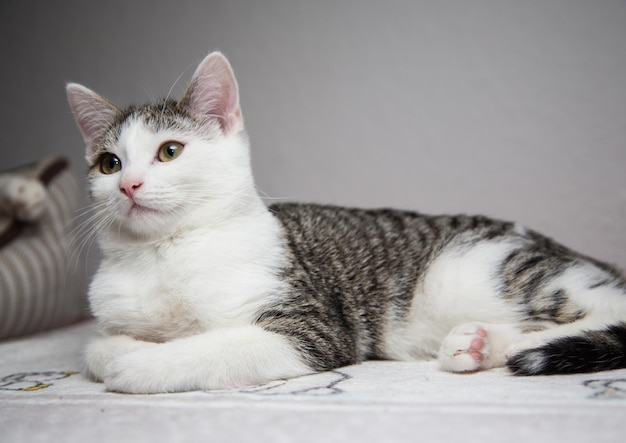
(574,322)
(596,341)
(581,346)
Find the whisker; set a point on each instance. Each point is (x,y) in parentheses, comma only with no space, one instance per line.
(265,196)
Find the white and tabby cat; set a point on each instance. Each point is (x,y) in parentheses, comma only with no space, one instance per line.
(202,286)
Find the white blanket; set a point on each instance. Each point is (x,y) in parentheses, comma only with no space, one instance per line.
(43,398)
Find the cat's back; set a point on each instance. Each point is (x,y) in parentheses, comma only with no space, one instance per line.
(378,236)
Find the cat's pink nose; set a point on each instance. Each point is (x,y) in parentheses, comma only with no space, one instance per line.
(129,188)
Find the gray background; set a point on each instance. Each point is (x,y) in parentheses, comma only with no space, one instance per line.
(515,109)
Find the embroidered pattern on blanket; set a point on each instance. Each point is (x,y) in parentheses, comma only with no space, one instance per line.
(32,381)
(323,383)
(328,383)
(610,388)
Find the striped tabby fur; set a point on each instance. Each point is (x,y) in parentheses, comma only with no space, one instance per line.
(349,267)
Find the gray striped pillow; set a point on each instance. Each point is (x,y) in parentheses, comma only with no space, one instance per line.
(42,284)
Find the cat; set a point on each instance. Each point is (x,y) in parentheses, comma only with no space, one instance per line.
(202,286)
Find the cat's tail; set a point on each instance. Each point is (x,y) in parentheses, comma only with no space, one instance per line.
(591,351)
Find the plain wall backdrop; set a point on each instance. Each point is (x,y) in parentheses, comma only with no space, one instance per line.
(514,109)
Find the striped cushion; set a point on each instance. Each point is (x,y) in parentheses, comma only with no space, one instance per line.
(42,285)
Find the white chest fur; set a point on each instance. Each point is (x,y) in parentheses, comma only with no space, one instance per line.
(190,283)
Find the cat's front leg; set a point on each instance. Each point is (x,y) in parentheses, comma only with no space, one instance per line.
(218,359)
(104,350)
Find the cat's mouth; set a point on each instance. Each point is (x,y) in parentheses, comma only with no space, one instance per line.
(137,209)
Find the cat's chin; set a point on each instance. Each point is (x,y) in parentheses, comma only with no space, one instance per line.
(141,223)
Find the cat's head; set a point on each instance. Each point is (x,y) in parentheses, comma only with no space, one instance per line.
(156,167)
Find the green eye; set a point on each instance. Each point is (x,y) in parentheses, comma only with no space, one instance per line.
(110,163)
(169,151)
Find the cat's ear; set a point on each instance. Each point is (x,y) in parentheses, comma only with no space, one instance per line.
(213,94)
(93,114)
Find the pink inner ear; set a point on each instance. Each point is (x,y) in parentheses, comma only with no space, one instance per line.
(93,114)
(213,94)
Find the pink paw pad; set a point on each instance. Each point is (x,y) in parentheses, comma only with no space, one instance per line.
(477,345)
(465,349)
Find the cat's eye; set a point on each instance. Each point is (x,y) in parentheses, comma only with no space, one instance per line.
(110,163)
(168,151)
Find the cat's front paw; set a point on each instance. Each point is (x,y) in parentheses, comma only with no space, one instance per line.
(465,349)
(102,351)
(26,197)
(144,371)
(126,375)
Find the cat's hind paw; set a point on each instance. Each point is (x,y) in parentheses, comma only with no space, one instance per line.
(465,349)
(474,346)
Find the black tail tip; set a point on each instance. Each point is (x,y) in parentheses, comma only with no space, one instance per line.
(592,351)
